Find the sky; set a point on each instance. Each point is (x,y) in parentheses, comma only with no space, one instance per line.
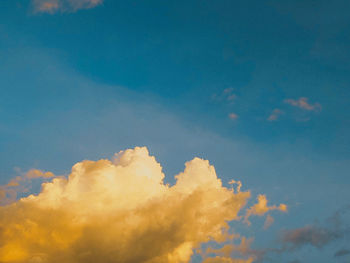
(260,89)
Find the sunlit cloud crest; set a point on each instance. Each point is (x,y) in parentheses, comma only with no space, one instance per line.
(120,210)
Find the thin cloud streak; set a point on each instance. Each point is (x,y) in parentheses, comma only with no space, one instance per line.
(303,103)
(233,116)
(53,6)
(342,252)
(316,235)
(274,116)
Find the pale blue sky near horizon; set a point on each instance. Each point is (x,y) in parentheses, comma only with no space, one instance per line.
(223,80)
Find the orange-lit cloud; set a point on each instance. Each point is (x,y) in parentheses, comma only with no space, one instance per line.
(233,116)
(275,114)
(233,253)
(219,259)
(8,192)
(121,211)
(303,103)
(262,208)
(52,6)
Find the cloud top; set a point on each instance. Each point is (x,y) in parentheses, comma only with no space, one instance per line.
(119,210)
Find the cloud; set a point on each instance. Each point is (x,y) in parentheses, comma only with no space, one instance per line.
(9,192)
(229,95)
(262,208)
(120,210)
(316,235)
(226,95)
(241,252)
(342,252)
(303,103)
(268,222)
(53,6)
(218,259)
(312,235)
(275,114)
(233,116)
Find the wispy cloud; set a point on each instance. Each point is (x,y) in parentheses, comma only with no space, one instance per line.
(229,253)
(9,192)
(275,114)
(310,235)
(262,207)
(316,235)
(233,116)
(342,252)
(227,95)
(268,222)
(53,6)
(303,103)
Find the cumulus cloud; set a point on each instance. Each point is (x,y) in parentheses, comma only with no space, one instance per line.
(52,6)
(303,103)
(275,114)
(120,210)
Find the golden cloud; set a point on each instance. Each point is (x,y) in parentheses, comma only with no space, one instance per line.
(121,211)
(262,208)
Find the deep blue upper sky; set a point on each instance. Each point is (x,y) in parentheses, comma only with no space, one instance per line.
(168,74)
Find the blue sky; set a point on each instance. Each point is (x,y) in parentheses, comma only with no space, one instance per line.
(259,88)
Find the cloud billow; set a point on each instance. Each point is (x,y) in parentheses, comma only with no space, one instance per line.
(120,211)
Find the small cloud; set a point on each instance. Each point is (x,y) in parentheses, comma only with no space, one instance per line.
(226,95)
(316,235)
(303,103)
(53,6)
(231,97)
(268,222)
(313,235)
(47,7)
(275,114)
(234,253)
(262,208)
(228,91)
(342,252)
(233,116)
(19,184)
